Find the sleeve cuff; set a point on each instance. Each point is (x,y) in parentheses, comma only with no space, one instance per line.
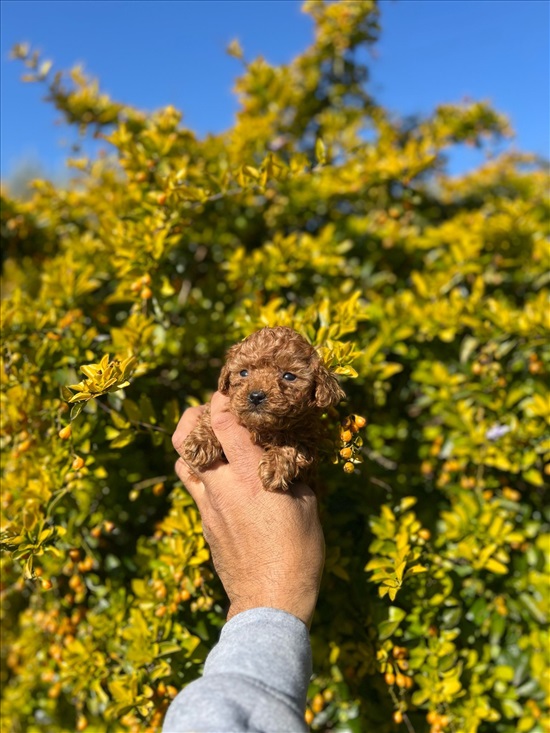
(268,645)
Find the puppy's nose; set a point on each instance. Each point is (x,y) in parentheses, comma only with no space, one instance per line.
(256,397)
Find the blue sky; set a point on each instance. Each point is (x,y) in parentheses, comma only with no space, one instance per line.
(151,53)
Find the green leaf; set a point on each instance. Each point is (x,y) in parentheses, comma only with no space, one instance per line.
(118,421)
(123,439)
(387,628)
(75,411)
(66,393)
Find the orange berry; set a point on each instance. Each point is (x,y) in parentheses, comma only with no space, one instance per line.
(399,652)
(346,452)
(74,554)
(389,678)
(56,652)
(360,421)
(161,592)
(328,695)
(349,467)
(444,478)
(158,489)
(135,286)
(54,691)
(65,433)
(345,435)
(146,293)
(86,565)
(425,534)
(451,466)
(75,582)
(108,525)
(318,703)
(185,595)
(171,691)
(146,279)
(401,680)
(78,463)
(161,199)
(309,716)
(47,584)
(398,716)
(426,468)
(81,723)
(96,532)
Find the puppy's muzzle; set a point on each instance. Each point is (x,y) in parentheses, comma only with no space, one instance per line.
(257,397)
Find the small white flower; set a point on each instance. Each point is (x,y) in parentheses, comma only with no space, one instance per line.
(497,431)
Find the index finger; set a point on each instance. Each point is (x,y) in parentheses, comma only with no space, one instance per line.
(187,422)
(235,439)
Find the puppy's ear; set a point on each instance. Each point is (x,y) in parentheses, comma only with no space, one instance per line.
(225,374)
(327,390)
(223,381)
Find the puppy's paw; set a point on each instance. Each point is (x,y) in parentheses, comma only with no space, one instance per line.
(278,469)
(201,452)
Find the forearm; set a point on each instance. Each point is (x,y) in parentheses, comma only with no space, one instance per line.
(255,679)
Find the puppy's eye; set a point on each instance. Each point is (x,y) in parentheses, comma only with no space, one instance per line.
(243,373)
(289,377)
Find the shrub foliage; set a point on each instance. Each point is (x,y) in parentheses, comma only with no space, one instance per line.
(428,293)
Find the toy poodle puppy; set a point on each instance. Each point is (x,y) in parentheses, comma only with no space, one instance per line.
(278,389)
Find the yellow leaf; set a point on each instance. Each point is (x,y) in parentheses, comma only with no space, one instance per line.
(494,566)
(320,151)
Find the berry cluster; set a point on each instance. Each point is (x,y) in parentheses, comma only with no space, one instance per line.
(351,442)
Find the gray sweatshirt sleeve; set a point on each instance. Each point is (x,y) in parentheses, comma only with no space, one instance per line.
(255,679)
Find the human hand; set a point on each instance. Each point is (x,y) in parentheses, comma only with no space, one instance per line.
(267,547)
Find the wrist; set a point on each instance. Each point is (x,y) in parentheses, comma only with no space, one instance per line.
(302,606)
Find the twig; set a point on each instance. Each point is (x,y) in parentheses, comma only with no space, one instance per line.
(149,482)
(380,483)
(380,459)
(108,409)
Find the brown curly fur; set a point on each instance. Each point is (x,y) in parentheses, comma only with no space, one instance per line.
(286,423)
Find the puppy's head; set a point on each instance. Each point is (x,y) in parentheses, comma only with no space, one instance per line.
(274,378)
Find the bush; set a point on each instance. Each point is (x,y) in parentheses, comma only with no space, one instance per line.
(427,293)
